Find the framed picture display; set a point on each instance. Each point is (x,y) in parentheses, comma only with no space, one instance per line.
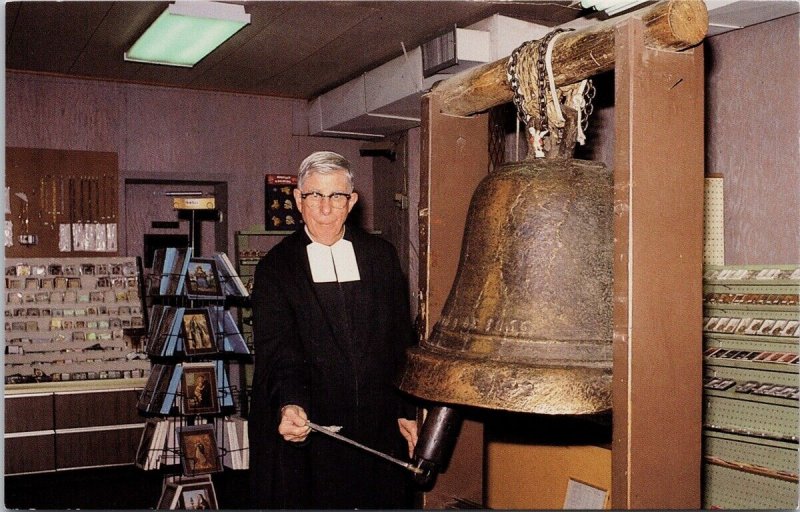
(198,333)
(199,389)
(188,493)
(198,450)
(202,279)
(198,496)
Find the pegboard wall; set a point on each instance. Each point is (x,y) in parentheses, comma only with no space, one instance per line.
(61,202)
(714,222)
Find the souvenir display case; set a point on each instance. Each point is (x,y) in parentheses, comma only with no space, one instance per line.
(71,372)
(280,208)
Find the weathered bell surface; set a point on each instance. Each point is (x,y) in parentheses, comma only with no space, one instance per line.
(527,326)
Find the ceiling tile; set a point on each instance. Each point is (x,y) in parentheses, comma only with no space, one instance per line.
(292,48)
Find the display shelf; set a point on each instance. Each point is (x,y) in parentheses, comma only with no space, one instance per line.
(730,487)
(751,274)
(750,343)
(75,386)
(751,385)
(252,244)
(779,457)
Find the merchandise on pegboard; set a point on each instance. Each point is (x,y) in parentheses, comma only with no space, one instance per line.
(65,319)
(751,386)
(281,212)
(61,201)
(92,225)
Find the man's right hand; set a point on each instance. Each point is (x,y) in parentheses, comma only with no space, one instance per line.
(294,424)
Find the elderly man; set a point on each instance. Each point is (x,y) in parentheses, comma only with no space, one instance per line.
(331,325)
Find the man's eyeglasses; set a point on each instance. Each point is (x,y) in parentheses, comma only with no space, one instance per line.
(338,199)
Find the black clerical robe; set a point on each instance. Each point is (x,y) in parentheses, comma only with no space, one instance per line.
(334,349)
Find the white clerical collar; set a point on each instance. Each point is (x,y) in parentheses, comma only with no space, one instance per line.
(332,263)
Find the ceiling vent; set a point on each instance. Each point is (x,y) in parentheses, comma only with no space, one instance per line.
(455,50)
(386,99)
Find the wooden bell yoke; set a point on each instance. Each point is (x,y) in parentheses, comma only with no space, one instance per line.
(669,25)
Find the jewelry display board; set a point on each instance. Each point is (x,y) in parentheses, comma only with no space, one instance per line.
(751,384)
(60,202)
(64,319)
(280,212)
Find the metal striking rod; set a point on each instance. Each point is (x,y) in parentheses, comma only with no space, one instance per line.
(329,432)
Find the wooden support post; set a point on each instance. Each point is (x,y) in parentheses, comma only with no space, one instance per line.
(669,25)
(658,175)
(454,160)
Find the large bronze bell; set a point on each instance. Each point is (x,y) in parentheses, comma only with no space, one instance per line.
(527,326)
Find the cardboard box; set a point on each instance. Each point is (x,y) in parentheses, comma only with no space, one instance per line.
(536,476)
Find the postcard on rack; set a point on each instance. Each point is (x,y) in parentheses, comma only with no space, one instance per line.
(197,496)
(169,497)
(202,279)
(161,332)
(230,280)
(177,274)
(188,493)
(198,332)
(199,389)
(198,450)
(159,400)
(145,442)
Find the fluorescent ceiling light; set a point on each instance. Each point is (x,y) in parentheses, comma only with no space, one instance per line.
(186,32)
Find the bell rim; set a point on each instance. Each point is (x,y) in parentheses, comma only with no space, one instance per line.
(563,390)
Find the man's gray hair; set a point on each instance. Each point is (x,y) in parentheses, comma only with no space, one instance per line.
(324,162)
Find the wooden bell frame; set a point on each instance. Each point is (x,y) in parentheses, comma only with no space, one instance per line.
(658,227)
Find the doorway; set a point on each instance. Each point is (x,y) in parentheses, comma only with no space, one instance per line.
(149,216)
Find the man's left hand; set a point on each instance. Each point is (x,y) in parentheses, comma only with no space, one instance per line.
(408,429)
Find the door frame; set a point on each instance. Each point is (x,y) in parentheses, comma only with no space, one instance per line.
(220,195)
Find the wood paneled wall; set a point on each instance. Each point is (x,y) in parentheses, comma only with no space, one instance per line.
(163,133)
(391,177)
(752,130)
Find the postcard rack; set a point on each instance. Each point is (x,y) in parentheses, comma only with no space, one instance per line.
(193,397)
(65,319)
(751,330)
